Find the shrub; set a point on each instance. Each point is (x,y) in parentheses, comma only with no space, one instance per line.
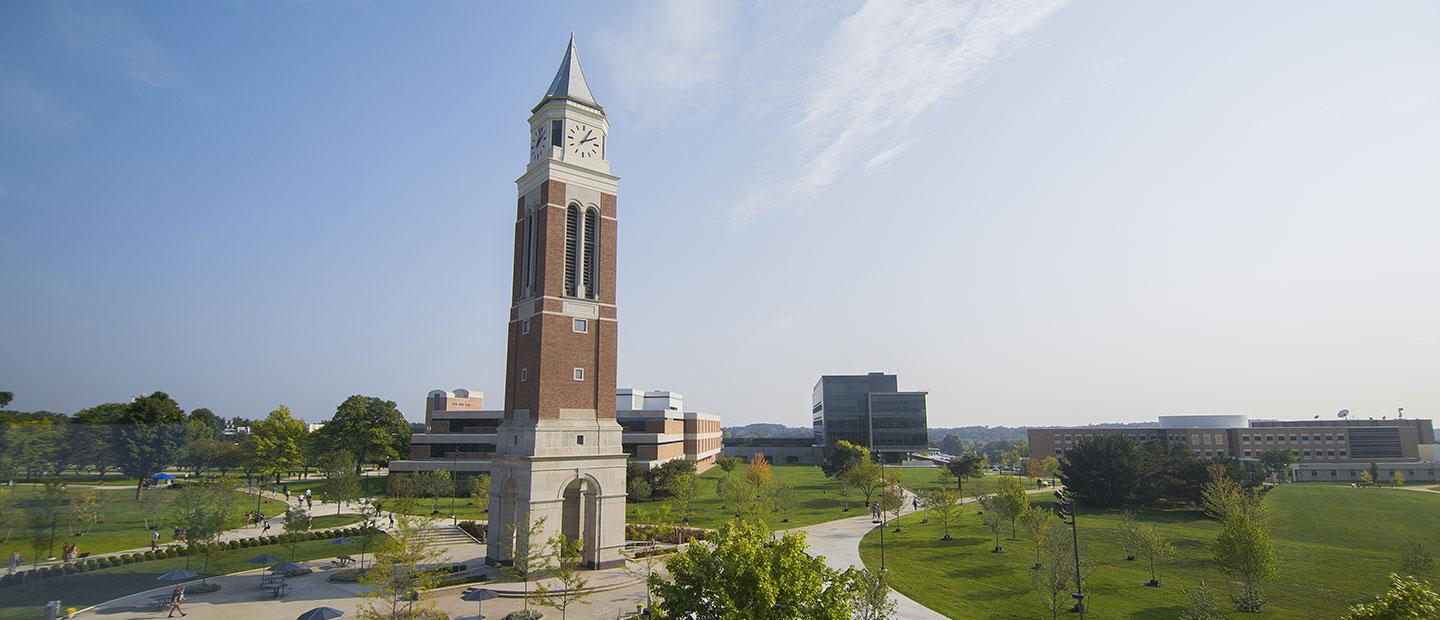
(149,554)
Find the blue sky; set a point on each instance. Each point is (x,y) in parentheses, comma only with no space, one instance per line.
(1041,212)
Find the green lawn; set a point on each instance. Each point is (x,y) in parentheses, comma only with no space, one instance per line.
(84,589)
(919,479)
(817,499)
(122,526)
(370,486)
(322,522)
(1335,545)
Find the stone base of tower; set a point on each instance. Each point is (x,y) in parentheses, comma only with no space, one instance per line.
(568,472)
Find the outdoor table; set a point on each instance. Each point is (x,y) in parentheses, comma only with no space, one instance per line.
(279,589)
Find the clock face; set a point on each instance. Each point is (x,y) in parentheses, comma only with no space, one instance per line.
(539,144)
(584,141)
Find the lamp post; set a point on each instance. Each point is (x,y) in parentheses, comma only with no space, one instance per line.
(1065,507)
(884,488)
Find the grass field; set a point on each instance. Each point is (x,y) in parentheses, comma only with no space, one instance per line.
(1335,546)
(920,479)
(84,589)
(122,527)
(817,499)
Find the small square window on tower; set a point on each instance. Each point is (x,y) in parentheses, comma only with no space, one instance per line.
(579,440)
(580,326)
(524,326)
(524,374)
(579,374)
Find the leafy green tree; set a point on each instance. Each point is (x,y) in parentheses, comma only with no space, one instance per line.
(564,567)
(742,573)
(5,398)
(372,430)
(1407,597)
(1036,523)
(872,598)
(1015,502)
(965,467)
(1277,461)
(85,511)
(865,476)
(528,559)
(148,436)
(205,423)
(944,504)
(1154,547)
(783,499)
(44,513)
(31,447)
(892,500)
(480,492)
(203,510)
(728,463)
(1200,604)
(341,484)
(992,514)
(278,442)
(1244,552)
(1103,471)
(841,457)
(683,489)
(297,523)
(1052,577)
(93,436)
(404,566)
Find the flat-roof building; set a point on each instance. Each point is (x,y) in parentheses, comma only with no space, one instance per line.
(869,410)
(1397,440)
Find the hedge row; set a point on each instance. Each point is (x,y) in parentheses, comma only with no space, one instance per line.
(172,551)
(641,531)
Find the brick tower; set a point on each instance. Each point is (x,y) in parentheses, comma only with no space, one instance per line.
(558,454)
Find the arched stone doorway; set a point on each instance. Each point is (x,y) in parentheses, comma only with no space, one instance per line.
(504,515)
(579,516)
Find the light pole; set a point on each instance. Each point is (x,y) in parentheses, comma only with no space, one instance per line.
(884,488)
(1065,507)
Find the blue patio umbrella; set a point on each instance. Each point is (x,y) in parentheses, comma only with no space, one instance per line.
(321,613)
(479,595)
(163,476)
(285,567)
(177,575)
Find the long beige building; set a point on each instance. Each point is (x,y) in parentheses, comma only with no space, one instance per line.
(1310,442)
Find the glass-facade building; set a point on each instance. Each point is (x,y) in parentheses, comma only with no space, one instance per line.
(869,410)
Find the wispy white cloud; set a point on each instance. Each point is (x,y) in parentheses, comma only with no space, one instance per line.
(106,33)
(882,68)
(673,55)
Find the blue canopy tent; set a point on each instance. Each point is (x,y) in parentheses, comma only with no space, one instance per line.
(163,476)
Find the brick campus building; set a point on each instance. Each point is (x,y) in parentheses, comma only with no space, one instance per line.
(1333,450)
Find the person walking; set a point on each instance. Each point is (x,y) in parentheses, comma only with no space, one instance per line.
(14,562)
(154,538)
(176,598)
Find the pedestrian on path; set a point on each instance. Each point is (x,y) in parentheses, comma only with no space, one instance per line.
(286,486)
(14,562)
(154,538)
(177,597)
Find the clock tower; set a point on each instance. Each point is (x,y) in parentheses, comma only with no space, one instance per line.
(558,460)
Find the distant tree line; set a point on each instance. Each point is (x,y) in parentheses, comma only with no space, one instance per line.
(152,433)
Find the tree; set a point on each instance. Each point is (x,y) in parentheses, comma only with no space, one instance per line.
(993,516)
(892,500)
(732,489)
(1051,579)
(1416,561)
(872,599)
(341,484)
(1034,468)
(1154,547)
(944,504)
(1200,604)
(203,510)
(783,498)
(1015,502)
(1050,465)
(278,441)
(401,570)
(1244,552)
(1128,534)
(758,473)
(30,447)
(150,432)
(480,492)
(93,436)
(44,512)
(964,467)
(1407,597)
(742,573)
(1103,471)
(683,489)
(1366,477)
(841,457)
(297,523)
(208,425)
(727,463)
(5,398)
(1397,479)
(865,476)
(638,489)
(526,559)
(1036,523)
(372,430)
(564,567)
(1277,461)
(85,512)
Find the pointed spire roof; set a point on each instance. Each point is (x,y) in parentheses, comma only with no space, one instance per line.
(569,82)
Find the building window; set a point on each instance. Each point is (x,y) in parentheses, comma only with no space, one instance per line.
(1342,453)
(528,254)
(579,440)
(524,374)
(592,252)
(1304,438)
(579,374)
(1292,438)
(524,326)
(557,135)
(1340,437)
(1247,453)
(572,249)
(580,326)
(1329,438)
